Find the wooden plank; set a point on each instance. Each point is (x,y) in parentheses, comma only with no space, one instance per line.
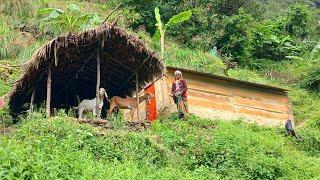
(32,102)
(48,102)
(98,86)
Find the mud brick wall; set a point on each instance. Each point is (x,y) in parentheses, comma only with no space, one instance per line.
(210,97)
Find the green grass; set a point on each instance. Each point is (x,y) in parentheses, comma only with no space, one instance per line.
(193,59)
(171,149)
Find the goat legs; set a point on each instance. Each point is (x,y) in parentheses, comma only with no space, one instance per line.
(94,112)
(99,115)
(111,109)
(80,111)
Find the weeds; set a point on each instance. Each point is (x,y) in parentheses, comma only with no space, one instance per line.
(194,149)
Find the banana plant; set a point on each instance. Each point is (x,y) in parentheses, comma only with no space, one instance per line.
(69,19)
(161,28)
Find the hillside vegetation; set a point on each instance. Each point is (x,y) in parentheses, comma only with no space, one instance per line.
(274,42)
(196,149)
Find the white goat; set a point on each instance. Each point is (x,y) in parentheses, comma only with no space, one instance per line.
(90,104)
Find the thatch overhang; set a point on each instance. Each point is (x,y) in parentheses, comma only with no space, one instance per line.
(73,61)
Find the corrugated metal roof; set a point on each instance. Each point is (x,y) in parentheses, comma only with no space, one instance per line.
(248,83)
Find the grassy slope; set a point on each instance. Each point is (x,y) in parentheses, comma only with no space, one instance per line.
(198,148)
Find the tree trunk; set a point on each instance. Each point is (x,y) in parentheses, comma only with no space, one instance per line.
(98,86)
(48,103)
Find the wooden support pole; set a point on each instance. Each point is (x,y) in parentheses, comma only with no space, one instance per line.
(48,103)
(32,102)
(98,86)
(137,94)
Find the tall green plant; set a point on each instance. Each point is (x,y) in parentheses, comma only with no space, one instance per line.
(69,19)
(161,29)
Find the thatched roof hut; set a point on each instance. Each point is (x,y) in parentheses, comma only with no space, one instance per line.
(72,59)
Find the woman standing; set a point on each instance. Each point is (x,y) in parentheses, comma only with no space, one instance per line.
(179,92)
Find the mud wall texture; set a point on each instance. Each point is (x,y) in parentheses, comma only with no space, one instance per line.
(211,97)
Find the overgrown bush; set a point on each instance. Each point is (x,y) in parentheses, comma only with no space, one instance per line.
(312,80)
(269,43)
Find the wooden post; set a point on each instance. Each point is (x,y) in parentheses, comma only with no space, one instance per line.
(48,103)
(137,94)
(98,86)
(31,102)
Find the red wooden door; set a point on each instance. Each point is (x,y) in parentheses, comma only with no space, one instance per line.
(152,106)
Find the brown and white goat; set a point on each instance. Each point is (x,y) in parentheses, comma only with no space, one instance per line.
(128,103)
(90,104)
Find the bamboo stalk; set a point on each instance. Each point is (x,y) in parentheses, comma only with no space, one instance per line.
(137,94)
(48,103)
(98,86)
(111,13)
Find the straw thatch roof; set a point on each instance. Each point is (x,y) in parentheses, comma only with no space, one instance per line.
(73,62)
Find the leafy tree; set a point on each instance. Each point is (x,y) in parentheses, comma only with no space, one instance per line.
(227,7)
(297,19)
(161,28)
(69,19)
(268,42)
(235,38)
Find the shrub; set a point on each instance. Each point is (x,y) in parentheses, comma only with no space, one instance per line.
(312,79)
(5,118)
(269,43)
